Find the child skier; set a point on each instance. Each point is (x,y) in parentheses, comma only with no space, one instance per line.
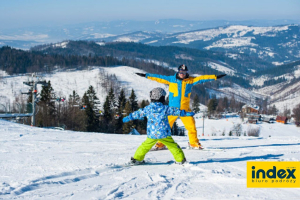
(158,128)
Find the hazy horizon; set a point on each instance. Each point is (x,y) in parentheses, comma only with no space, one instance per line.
(17,13)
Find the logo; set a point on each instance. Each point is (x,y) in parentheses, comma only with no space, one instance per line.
(265,174)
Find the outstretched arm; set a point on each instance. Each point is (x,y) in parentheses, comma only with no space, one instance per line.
(156,77)
(206,78)
(139,114)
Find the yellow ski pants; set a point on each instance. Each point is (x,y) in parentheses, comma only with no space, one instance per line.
(189,124)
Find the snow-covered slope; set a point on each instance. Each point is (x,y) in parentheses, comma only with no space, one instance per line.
(37,163)
(239,93)
(64,83)
(293,74)
(277,44)
(283,95)
(221,67)
(230,31)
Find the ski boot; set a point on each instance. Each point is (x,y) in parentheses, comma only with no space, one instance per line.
(182,162)
(136,162)
(195,146)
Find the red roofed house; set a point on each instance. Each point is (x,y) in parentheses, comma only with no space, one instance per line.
(250,109)
(281,119)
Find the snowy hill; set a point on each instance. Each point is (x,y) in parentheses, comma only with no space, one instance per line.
(64,82)
(283,88)
(38,163)
(282,95)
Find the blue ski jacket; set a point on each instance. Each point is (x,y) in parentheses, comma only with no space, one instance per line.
(157,114)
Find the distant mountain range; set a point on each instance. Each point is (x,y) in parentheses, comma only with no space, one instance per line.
(27,37)
(276,44)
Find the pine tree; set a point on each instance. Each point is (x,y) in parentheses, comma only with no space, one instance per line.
(121,101)
(212,105)
(133,101)
(112,100)
(47,115)
(107,110)
(75,119)
(93,99)
(181,132)
(127,126)
(144,103)
(196,104)
(90,100)
(273,110)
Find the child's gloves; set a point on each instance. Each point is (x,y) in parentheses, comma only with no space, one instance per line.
(188,114)
(127,119)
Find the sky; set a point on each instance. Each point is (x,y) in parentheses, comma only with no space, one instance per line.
(20,13)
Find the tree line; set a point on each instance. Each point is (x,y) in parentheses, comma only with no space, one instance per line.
(87,114)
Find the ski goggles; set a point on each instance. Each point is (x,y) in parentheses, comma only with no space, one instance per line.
(182,72)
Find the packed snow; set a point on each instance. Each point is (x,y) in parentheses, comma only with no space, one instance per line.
(39,163)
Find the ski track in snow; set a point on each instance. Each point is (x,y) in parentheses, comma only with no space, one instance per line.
(37,163)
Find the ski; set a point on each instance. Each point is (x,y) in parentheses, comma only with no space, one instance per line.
(130,164)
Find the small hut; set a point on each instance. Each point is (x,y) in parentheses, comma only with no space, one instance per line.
(281,119)
(250,109)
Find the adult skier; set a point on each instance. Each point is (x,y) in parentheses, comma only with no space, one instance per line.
(158,128)
(180,88)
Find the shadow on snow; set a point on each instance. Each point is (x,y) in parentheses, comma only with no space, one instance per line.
(247,158)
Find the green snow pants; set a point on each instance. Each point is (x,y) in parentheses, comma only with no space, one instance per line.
(168,141)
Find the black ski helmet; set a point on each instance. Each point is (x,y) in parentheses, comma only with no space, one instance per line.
(183,67)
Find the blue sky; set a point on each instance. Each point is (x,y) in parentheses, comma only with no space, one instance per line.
(15,13)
